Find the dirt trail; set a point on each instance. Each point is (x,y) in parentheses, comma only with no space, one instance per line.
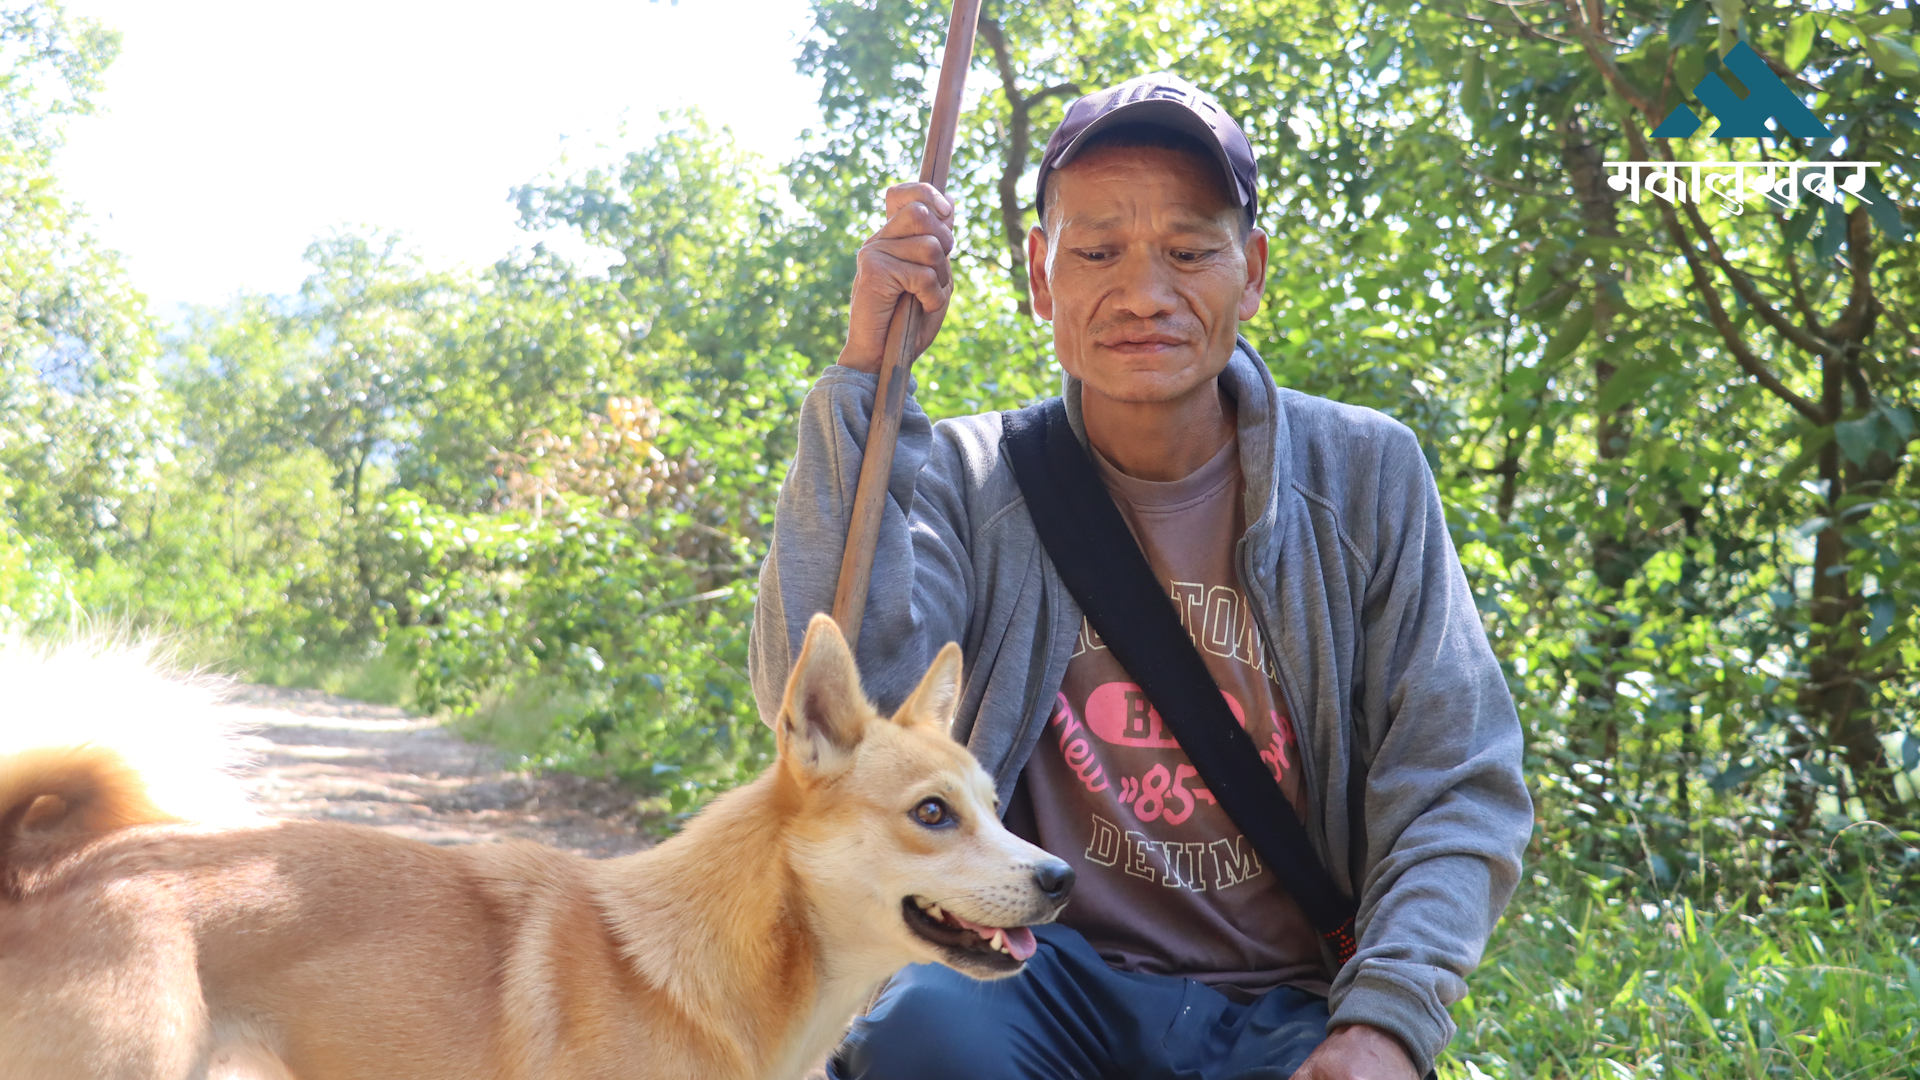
(330,758)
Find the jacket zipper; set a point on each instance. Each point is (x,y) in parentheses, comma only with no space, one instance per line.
(1315,797)
(1028,715)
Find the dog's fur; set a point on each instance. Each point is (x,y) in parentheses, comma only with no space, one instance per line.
(134,944)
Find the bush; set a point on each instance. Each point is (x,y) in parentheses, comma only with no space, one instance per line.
(627,665)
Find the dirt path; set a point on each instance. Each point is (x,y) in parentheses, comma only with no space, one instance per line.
(330,758)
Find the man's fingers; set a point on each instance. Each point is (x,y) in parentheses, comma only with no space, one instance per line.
(920,250)
(899,195)
(922,281)
(928,284)
(908,255)
(917,219)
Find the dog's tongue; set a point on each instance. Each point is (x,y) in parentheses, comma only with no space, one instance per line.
(1019,939)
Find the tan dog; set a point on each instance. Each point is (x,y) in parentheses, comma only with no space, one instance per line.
(134,945)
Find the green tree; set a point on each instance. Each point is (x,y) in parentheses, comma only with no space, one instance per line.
(1788,328)
(527,350)
(79,430)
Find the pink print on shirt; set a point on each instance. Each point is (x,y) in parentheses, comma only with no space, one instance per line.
(1119,713)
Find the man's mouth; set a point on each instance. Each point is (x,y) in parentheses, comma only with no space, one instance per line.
(968,943)
(1143,343)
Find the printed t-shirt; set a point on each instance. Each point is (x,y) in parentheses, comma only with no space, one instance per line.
(1166,883)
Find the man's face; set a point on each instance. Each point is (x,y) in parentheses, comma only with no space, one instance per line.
(1143,272)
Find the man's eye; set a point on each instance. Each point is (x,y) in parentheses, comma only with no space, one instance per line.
(933,813)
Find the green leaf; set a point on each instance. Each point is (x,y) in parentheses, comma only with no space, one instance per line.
(1891,55)
(1572,331)
(1833,233)
(1700,1015)
(1799,42)
(1690,66)
(1811,443)
(1884,211)
(1910,752)
(1626,991)
(1901,417)
(1685,23)
(1473,88)
(1878,24)
(1626,384)
(1734,775)
(1379,54)
(1732,17)
(1799,225)
(1884,610)
(1858,438)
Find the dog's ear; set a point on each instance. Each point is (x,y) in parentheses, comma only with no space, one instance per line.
(933,702)
(824,713)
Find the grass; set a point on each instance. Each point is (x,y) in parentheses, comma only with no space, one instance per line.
(1579,984)
(524,722)
(375,678)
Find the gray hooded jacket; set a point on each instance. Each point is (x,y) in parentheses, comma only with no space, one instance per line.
(1417,804)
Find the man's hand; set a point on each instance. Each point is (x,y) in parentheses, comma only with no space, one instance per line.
(1358,1052)
(907,255)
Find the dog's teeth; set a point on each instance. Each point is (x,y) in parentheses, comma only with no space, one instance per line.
(934,910)
(923,902)
(1000,940)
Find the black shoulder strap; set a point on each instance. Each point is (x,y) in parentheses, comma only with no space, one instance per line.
(1104,569)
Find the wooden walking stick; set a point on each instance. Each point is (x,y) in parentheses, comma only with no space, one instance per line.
(876,466)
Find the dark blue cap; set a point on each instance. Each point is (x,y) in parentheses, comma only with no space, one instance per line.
(1167,100)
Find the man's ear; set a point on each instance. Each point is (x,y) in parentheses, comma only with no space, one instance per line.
(824,713)
(1037,284)
(934,701)
(1256,286)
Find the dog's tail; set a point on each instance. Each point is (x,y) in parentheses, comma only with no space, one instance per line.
(97,736)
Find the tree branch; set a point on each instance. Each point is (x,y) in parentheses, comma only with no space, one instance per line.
(1799,293)
(1590,40)
(1523,30)
(1730,334)
(1743,285)
(1856,322)
(1019,144)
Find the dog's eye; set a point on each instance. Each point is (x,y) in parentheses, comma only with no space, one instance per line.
(933,813)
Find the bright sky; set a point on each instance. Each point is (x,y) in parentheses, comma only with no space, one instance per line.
(235,131)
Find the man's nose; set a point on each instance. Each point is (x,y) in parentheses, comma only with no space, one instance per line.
(1147,292)
(1054,877)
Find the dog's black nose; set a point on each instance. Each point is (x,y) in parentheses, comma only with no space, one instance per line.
(1054,877)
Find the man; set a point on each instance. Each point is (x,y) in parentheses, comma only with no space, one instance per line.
(1303,542)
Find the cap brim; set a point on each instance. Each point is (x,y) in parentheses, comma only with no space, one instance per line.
(1160,113)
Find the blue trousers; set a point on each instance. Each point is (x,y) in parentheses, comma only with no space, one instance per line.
(1069,1016)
